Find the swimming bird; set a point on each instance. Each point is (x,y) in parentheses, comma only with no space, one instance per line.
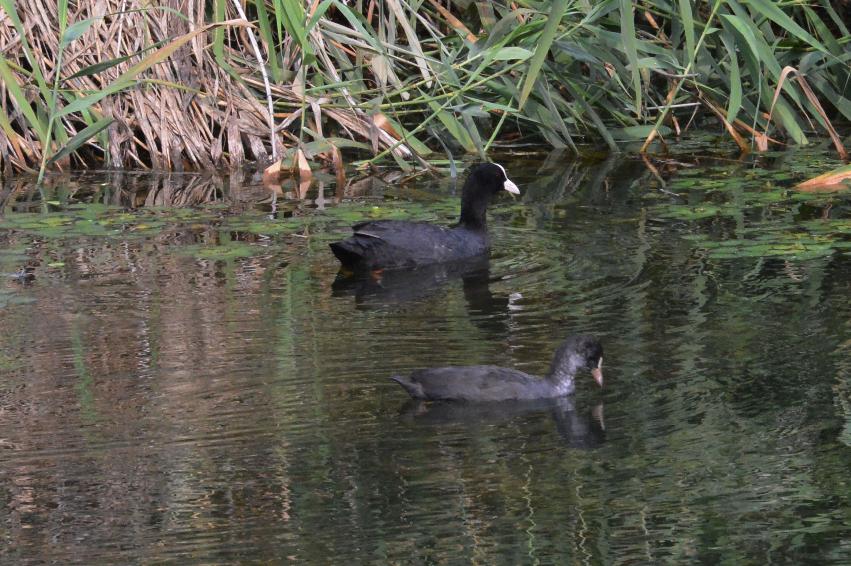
(494,383)
(380,244)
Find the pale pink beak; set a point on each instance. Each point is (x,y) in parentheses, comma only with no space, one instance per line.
(597,372)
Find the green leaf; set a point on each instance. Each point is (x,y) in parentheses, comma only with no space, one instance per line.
(789,120)
(595,118)
(318,13)
(820,26)
(98,67)
(638,132)
(294,22)
(630,46)
(827,6)
(557,121)
(467,117)
(512,54)
(454,127)
(687,20)
(771,11)
(62,13)
(20,101)
(82,137)
(411,36)
(76,30)
(735,101)
(840,102)
(557,10)
(745,32)
(85,102)
(266,34)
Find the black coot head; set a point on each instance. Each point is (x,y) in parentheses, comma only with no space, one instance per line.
(580,352)
(491,178)
(483,182)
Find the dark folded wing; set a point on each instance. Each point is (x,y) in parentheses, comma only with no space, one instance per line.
(478,383)
(397,242)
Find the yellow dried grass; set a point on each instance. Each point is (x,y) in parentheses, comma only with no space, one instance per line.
(185,112)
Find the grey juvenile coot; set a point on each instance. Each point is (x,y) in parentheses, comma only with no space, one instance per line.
(493,383)
(383,244)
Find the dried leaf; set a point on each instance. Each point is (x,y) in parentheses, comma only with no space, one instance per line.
(272,173)
(454,22)
(811,96)
(831,181)
(381,121)
(737,137)
(381,69)
(304,172)
(339,168)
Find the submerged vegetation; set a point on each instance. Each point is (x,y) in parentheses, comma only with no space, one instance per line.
(725,209)
(213,83)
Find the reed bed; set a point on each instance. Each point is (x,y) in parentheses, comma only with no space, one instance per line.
(202,84)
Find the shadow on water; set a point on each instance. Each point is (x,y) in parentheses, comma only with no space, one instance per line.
(182,378)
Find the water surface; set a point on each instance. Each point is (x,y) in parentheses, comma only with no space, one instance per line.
(185,380)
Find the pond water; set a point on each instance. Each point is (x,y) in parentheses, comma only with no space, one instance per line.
(184,379)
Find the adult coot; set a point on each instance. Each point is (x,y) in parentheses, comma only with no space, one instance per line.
(383,244)
(493,383)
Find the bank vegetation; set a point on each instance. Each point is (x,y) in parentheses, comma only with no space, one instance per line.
(199,84)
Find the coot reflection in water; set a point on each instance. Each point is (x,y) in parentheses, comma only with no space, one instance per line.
(579,428)
(397,287)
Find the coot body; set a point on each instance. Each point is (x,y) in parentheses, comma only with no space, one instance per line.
(494,383)
(387,244)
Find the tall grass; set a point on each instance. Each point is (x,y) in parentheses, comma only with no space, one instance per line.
(120,83)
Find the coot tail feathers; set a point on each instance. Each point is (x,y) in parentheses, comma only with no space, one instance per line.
(415,390)
(348,252)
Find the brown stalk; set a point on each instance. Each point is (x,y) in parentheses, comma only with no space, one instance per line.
(737,137)
(760,138)
(811,96)
(653,170)
(339,168)
(655,133)
(456,24)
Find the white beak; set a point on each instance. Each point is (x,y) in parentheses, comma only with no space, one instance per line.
(508,185)
(511,187)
